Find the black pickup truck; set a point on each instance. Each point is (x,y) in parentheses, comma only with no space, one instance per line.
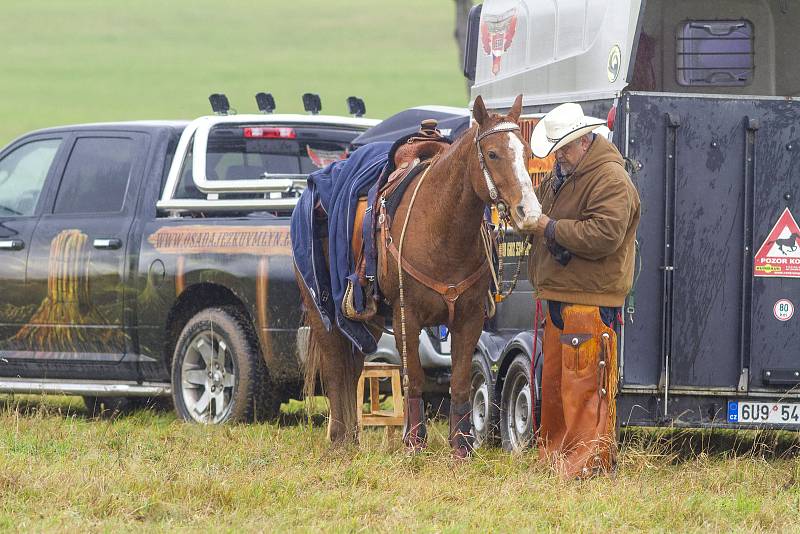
(144,259)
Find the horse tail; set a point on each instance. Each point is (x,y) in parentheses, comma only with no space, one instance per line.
(310,345)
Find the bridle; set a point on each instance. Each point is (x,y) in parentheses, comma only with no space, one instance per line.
(503,214)
(499,203)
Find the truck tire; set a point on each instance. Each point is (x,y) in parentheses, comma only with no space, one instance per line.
(485,410)
(218,374)
(515,406)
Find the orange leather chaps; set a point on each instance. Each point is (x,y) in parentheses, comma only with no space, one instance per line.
(579,386)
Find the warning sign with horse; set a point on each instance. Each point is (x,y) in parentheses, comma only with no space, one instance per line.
(779,255)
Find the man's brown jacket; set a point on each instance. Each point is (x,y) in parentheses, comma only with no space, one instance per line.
(597,209)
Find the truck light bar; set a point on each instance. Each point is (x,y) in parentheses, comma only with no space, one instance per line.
(265,102)
(219,103)
(270,132)
(312,103)
(356,106)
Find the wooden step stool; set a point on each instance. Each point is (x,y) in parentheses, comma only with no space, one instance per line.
(375,416)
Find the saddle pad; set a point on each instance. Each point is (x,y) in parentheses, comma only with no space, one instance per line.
(395,195)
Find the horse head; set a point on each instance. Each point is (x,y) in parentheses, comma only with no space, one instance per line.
(503,156)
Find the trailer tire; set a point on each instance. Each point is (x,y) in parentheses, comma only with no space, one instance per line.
(485,409)
(516,424)
(218,373)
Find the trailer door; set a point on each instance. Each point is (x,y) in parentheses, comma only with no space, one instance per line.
(717,174)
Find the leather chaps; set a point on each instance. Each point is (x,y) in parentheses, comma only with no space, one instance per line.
(579,383)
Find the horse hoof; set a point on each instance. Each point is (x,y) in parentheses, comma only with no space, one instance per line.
(414,446)
(413,450)
(461,454)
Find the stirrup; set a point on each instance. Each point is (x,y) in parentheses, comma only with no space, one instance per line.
(349,309)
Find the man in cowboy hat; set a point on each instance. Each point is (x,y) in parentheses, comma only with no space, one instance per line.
(582,265)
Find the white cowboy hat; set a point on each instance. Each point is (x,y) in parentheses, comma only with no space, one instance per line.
(563,124)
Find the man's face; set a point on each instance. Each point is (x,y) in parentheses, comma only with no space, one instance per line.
(569,155)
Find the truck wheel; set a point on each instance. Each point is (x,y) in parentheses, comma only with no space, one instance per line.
(484,405)
(218,374)
(515,407)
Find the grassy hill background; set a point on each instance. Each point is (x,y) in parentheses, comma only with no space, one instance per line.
(68,61)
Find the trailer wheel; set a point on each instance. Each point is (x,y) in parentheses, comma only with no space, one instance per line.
(218,374)
(484,404)
(515,406)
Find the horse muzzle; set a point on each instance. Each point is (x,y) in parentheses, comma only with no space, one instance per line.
(525,220)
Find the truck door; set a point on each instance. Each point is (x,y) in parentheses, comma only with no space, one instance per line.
(24,169)
(78,265)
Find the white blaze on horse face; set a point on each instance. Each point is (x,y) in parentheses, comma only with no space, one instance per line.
(529,210)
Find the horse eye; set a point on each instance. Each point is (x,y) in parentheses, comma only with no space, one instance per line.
(492,154)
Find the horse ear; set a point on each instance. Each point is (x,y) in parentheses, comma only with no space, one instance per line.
(479,111)
(516,109)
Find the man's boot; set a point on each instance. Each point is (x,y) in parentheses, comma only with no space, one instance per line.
(415,435)
(461,439)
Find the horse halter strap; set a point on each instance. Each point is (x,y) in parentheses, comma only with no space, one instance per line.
(502,208)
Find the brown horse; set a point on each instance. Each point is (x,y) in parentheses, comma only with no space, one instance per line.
(446,276)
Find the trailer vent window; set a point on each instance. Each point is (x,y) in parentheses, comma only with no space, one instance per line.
(715,53)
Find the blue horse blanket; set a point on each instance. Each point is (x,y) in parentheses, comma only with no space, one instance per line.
(336,188)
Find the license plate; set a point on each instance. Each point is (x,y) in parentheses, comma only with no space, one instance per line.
(785,413)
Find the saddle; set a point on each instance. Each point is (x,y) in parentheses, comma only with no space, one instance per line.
(408,157)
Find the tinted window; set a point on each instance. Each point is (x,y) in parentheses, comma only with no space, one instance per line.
(22,175)
(715,53)
(232,155)
(96,176)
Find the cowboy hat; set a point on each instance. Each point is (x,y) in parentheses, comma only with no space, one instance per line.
(561,125)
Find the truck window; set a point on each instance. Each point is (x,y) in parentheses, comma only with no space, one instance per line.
(22,175)
(96,177)
(715,53)
(238,153)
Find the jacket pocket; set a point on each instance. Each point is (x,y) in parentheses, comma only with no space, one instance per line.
(578,351)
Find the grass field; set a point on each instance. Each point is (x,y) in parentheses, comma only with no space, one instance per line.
(67,61)
(61,471)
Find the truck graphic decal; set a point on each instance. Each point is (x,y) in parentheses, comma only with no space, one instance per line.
(270,241)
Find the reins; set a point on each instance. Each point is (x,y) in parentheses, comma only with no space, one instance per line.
(497,276)
(400,279)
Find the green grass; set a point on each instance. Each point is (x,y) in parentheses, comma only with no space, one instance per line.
(68,61)
(62,471)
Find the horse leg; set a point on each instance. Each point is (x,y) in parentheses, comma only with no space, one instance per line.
(331,356)
(415,436)
(466,331)
(340,369)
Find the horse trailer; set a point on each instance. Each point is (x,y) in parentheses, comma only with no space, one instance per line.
(702,101)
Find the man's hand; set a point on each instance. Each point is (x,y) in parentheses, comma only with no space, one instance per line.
(541,224)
